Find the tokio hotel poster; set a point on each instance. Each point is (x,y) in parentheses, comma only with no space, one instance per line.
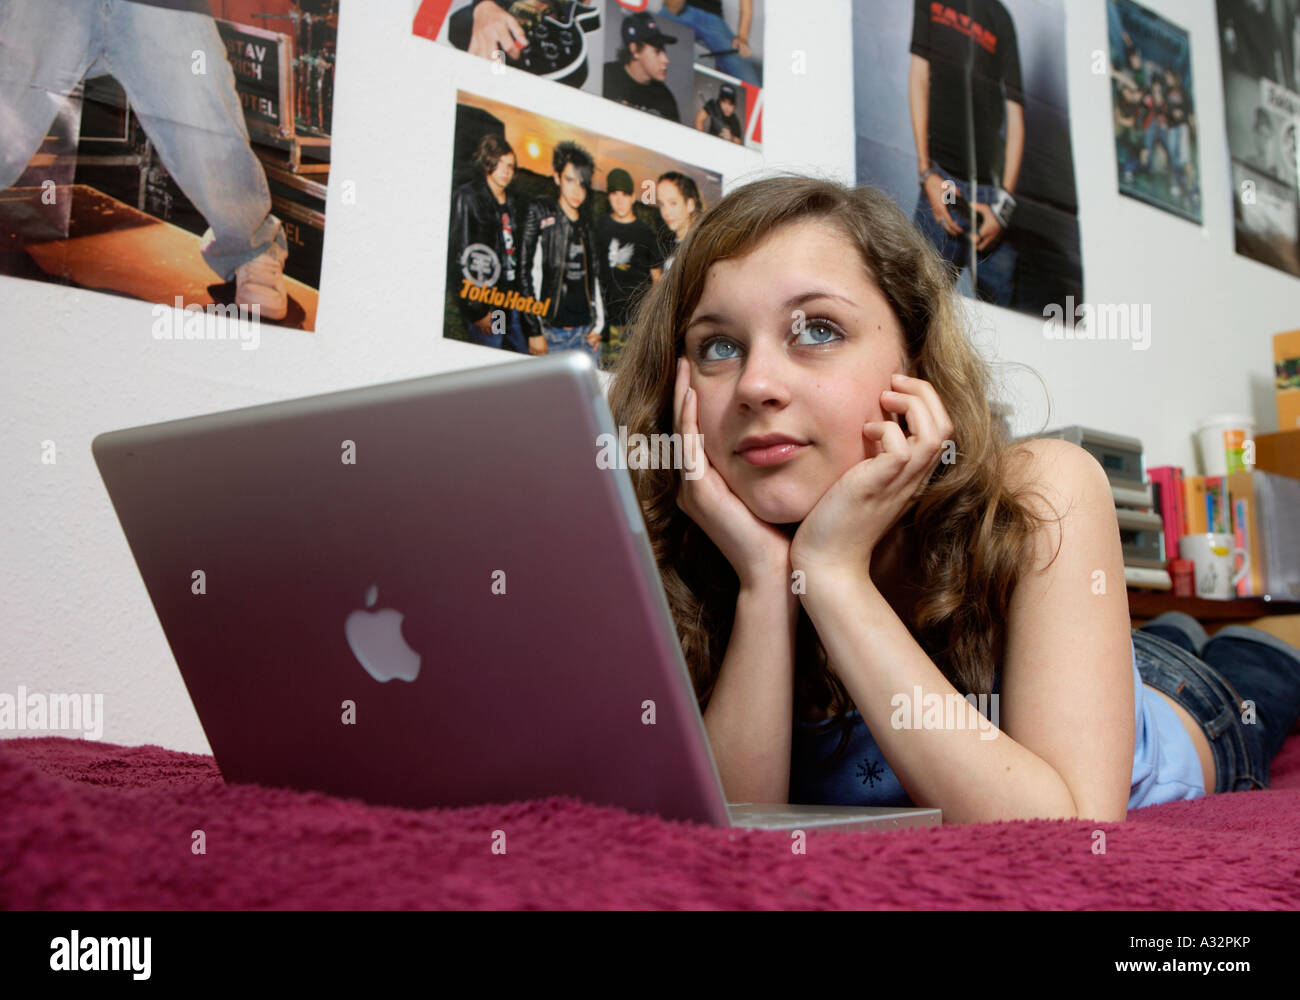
(555,231)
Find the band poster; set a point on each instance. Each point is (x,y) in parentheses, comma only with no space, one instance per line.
(190,174)
(961,114)
(695,62)
(1157,148)
(1259,49)
(555,231)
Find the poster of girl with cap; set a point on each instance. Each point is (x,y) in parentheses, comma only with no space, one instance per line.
(698,63)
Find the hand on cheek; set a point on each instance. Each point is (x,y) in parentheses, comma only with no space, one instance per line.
(871,443)
(842,530)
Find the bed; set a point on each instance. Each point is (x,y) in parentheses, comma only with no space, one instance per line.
(90,825)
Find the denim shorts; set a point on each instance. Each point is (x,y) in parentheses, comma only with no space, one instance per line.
(1213,678)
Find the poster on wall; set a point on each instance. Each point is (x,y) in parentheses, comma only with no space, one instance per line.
(695,62)
(1259,48)
(192,175)
(961,115)
(556,230)
(1157,151)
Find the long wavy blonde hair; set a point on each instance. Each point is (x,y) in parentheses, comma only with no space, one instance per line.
(974,534)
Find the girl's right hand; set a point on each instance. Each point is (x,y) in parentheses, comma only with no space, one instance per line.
(756,550)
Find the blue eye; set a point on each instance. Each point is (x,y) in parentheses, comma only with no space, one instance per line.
(823,326)
(707,347)
(813,333)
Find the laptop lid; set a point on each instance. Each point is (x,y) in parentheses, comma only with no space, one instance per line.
(422,593)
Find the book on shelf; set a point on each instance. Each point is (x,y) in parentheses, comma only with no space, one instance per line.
(1217,510)
(1194,510)
(1195,504)
(1167,486)
(1246,531)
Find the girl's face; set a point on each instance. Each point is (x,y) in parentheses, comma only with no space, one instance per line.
(791,339)
(672,206)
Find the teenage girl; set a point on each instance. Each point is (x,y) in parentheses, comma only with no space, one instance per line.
(861,546)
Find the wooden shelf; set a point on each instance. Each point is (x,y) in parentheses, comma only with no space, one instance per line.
(1146,604)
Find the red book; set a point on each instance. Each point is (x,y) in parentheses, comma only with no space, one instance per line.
(1167,482)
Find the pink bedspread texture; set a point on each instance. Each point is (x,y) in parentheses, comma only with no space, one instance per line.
(86,825)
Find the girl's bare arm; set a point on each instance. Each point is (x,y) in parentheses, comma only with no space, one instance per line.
(751,711)
(1062,747)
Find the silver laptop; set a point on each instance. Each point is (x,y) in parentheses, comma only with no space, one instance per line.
(427,593)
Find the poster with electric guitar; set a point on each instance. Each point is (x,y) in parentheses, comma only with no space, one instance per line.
(695,62)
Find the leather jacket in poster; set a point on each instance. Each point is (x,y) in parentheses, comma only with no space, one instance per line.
(545,246)
(475,225)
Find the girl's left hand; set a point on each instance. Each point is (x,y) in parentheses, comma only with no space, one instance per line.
(842,530)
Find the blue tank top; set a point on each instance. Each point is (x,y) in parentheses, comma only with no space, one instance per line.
(1165,765)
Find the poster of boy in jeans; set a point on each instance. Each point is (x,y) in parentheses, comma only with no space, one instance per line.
(191,144)
(961,114)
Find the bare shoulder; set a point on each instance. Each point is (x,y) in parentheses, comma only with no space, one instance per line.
(1054,467)
(1061,483)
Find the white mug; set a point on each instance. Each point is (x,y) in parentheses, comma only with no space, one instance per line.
(1213,553)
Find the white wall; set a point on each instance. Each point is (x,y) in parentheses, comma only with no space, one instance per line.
(74,615)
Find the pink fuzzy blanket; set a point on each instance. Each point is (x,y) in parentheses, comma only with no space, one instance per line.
(89,825)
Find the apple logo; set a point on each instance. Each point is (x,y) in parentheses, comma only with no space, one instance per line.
(376,641)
